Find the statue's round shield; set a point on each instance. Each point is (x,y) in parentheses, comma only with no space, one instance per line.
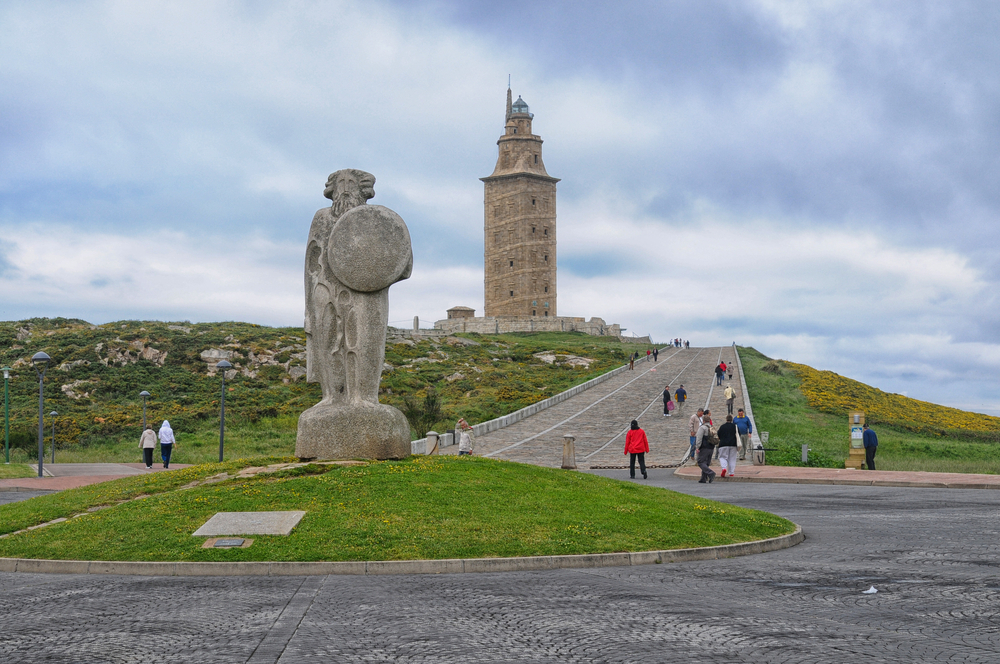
(369,248)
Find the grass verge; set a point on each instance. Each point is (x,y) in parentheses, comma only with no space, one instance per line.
(781,408)
(420,508)
(12,470)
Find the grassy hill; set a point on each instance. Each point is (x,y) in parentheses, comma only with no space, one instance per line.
(98,371)
(798,405)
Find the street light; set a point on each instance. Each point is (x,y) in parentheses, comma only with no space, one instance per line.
(53,415)
(223,366)
(6,415)
(144,394)
(41,362)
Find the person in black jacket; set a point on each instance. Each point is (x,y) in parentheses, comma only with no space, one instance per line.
(727,447)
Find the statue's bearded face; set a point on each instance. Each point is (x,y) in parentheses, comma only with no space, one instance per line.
(349,188)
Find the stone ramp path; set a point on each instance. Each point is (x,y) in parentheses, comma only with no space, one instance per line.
(600,416)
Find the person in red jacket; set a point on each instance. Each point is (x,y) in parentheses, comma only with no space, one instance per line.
(636,445)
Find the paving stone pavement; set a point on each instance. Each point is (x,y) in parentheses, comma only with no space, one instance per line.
(931,553)
(600,416)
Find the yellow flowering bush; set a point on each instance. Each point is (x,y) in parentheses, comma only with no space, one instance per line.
(831,393)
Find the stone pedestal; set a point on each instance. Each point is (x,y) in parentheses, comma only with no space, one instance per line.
(355,431)
(569,452)
(855,458)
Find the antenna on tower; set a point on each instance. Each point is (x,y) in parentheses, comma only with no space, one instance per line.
(508,80)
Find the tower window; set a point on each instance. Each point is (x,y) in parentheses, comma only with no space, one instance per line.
(515,130)
(546,313)
(546,258)
(512,263)
(532,228)
(546,305)
(546,231)
(532,201)
(534,303)
(534,313)
(536,161)
(546,289)
(512,293)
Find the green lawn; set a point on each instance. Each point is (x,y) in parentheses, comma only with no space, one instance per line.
(420,508)
(14,470)
(273,436)
(781,409)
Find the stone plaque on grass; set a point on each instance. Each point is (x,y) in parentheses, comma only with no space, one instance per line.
(225,524)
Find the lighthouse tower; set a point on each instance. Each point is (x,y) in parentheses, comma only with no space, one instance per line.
(520,223)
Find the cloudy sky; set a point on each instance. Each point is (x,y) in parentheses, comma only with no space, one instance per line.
(818,179)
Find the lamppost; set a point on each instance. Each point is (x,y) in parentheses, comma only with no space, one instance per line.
(144,394)
(6,415)
(53,415)
(41,362)
(222,366)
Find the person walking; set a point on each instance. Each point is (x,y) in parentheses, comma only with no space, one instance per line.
(656,355)
(631,362)
(728,447)
(648,353)
(719,373)
(730,394)
(694,424)
(744,427)
(466,437)
(706,442)
(724,367)
(147,442)
(682,396)
(870,441)
(668,401)
(167,443)
(636,446)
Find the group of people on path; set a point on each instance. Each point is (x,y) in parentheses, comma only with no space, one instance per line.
(721,371)
(677,343)
(732,440)
(147,443)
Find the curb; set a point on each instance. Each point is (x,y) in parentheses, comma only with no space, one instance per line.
(380,567)
(859,482)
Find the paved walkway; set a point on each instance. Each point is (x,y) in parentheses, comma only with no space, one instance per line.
(791,475)
(600,416)
(62,476)
(932,555)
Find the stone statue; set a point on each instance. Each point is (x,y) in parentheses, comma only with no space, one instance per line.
(355,252)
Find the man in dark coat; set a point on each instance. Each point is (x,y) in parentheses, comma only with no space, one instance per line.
(870,441)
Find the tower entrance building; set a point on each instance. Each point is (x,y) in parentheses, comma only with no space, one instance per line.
(520,222)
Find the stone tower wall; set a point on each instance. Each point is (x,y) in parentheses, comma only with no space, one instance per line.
(520,226)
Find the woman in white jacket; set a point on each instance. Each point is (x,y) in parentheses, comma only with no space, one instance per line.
(167,443)
(146,443)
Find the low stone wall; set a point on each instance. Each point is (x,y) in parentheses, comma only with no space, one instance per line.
(755,437)
(504,324)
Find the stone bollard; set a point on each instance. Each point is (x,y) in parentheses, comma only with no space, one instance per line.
(569,452)
(758,450)
(432,442)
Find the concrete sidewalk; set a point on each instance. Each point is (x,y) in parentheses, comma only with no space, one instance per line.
(73,475)
(898,478)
